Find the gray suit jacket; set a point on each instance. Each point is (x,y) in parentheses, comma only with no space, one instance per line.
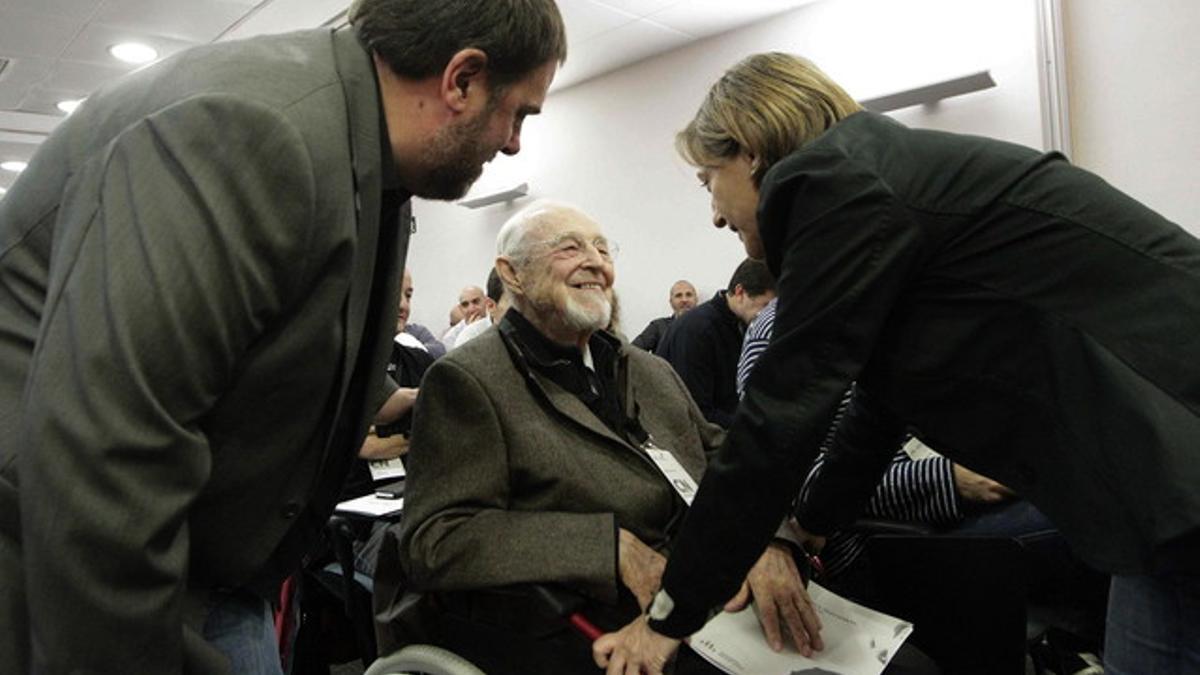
(196,305)
(514,480)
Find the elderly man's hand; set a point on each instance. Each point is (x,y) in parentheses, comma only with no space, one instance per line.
(634,650)
(780,597)
(641,567)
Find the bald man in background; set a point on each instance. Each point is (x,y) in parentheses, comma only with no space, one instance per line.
(682,299)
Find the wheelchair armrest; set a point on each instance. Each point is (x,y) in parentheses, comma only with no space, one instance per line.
(423,659)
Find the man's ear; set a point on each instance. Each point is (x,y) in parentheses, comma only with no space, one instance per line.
(465,75)
(509,275)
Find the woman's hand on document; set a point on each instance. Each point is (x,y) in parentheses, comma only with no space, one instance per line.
(780,600)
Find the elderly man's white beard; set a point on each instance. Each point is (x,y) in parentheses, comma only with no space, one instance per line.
(578,316)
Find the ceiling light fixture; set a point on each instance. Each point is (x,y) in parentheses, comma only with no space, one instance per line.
(14,166)
(133,52)
(68,106)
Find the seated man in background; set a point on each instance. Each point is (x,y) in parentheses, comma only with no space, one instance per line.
(386,442)
(456,317)
(497,305)
(531,463)
(682,298)
(473,304)
(407,365)
(703,345)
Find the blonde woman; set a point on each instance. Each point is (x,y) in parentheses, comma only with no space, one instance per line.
(1031,321)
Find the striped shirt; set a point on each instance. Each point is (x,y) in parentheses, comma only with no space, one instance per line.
(917,491)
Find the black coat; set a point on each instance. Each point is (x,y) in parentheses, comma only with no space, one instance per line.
(1020,314)
(703,346)
(649,338)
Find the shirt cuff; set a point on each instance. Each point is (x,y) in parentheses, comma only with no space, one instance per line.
(667,617)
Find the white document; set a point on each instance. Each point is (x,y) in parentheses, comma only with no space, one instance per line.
(858,641)
(370,505)
(386,469)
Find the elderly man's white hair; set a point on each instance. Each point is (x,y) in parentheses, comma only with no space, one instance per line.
(512,241)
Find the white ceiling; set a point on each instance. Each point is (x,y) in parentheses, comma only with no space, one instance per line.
(51,50)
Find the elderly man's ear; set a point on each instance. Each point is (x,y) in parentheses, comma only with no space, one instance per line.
(508,274)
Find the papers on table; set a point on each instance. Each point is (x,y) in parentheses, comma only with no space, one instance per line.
(371,505)
(386,469)
(858,641)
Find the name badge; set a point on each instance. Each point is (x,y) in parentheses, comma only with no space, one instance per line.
(674,472)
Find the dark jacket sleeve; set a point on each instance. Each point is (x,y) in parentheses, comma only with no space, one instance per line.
(920,491)
(843,248)
(851,471)
(648,338)
(695,355)
(916,491)
(170,265)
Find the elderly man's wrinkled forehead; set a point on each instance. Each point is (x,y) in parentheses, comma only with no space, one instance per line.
(553,221)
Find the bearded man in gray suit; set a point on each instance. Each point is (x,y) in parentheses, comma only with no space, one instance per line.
(197,296)
(548,452)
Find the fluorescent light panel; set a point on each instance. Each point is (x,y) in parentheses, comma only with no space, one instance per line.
(69,105)
(931,93)
(133,52)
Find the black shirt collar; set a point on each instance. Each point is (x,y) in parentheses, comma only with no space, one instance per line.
(599,389)
(542,353)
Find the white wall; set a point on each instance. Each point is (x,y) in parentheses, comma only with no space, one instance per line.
(607,144)
(1134,85)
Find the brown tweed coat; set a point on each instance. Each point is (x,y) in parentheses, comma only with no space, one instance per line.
(512,479)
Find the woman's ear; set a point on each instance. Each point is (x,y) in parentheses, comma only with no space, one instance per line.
(752,160)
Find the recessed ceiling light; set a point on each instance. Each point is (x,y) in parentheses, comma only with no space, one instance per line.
(3,190)
(69,105)
(133,52)
(14,166)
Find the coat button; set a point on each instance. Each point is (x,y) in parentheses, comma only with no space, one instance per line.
(291,509)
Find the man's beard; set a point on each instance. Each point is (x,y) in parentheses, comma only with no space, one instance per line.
(581,317)
(454,159)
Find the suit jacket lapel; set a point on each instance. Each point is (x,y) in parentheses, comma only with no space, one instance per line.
(364,356)
(362,112)
(569,405)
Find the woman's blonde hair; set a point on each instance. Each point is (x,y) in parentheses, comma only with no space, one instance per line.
(769,105)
